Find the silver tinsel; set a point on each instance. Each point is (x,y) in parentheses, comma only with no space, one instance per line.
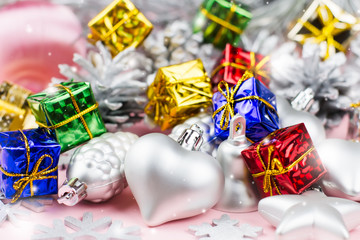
(177,44)
(331,80)
(118,83)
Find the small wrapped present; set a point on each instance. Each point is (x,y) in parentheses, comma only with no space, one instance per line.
(28,163)
(234,62)
(119,25)
(14,111)
(178,93)
(249,98)
(221,21)
(326,24)
(70,111)
(285,162)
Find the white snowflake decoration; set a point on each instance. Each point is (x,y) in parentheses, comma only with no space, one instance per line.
(226,228)
(87,228)
(11,213)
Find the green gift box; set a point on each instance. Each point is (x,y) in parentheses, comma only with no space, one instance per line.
(70,111)
(221,21)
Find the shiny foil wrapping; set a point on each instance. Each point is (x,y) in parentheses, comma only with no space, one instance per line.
(13,108)
(326,24)
(178,93)
(272,159)
(13,159)
(261,118)
(119,25)
(221,21)
(233,64)
(54,106)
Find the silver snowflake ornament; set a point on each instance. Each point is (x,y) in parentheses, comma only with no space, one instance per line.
(11,213)
(87,228)
(226,228)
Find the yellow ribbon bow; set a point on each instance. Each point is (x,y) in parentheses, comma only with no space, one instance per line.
(274,167)
(28,178)
(228,108)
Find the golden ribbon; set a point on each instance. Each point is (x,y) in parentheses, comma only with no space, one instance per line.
(79,114)
(355,105)
(253,68)
(230,101)
(10,108)
(161,101)
(28,178)
(224,23)
(274,167)
(329,30)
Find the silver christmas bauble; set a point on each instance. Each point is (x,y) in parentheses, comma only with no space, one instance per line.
(341,160)
(205,122)
(289,116)
(99,166)
(240,193)
(169,181)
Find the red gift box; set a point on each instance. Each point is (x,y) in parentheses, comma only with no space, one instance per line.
(233,64)
(285,162)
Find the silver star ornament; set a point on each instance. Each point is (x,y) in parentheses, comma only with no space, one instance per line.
(311,215)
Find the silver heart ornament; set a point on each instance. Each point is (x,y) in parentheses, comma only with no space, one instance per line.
(170,182)
(289,116)
(341,159)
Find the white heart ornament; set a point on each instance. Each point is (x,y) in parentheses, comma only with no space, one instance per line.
(341,159)
(170,182)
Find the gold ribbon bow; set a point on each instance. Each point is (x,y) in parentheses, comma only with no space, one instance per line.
(255,69)
(274,167)
(228,108)
(329,30)
(79,114)
(28,178)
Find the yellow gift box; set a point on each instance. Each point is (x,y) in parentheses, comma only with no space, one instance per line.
(14,112)
(178,93)
(326,24)
(119,25)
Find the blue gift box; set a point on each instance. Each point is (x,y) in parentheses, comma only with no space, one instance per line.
(251,99)
(28,163)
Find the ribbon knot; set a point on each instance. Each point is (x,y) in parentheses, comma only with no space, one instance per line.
(229,95)
(274,167)
(28,178)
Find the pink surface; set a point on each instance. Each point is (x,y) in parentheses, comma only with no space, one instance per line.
(123,207)
(35,37)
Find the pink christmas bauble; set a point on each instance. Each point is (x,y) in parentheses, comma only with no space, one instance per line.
(36,36)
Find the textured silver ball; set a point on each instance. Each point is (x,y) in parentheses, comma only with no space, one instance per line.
(100,165)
